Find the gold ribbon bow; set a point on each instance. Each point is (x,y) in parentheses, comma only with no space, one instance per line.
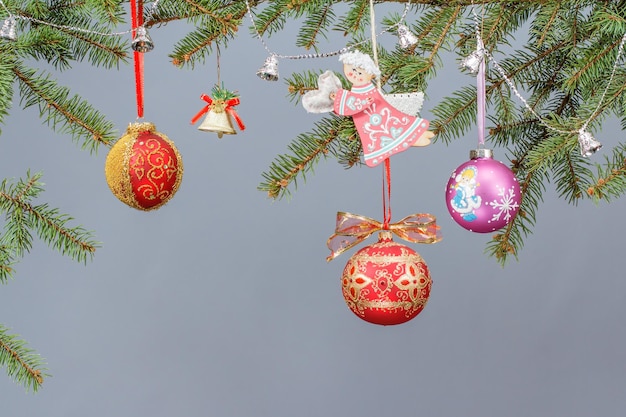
(351,229)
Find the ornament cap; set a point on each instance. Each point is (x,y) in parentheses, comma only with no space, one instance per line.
(385,235)
(481,153)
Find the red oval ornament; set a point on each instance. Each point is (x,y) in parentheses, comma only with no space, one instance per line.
(144,168)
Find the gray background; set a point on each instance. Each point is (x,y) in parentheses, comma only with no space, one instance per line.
(221,303)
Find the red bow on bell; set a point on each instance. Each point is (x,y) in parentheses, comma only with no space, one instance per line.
(220,106)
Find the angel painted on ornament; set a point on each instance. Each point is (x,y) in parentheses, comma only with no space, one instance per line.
(387,123)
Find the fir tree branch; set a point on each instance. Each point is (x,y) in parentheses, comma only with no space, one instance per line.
(51,228)
(171,11)
(354,20)
(75,115)
(100,49)
(22,364)
(610,180)
(549,23)
(307,150)
(6,83)
(510,240)
(226,21)
(30,188)
(60,45)
(451,20)
(315,24)
(50,225)
(592,60)
(218,26)
(273,17)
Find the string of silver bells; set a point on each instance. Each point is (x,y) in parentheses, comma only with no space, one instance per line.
(588,144)
(142,38)
(269,70)
(143,43)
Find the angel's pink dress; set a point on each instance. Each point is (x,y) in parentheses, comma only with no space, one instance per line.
(384,130)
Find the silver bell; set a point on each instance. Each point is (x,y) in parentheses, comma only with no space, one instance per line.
(588,144)
(142,42)
(269,70)
(472,62)
(406,38)
(8,30)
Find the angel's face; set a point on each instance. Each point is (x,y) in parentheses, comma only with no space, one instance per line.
(357,75)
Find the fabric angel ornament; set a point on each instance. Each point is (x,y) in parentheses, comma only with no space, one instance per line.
(387,123)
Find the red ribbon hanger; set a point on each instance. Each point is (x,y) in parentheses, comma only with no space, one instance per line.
(136,16)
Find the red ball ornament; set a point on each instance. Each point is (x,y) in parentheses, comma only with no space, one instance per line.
(386,283)
(483,195)
(144,169)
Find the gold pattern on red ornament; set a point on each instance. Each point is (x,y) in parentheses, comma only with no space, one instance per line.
(144,169)
(386,283)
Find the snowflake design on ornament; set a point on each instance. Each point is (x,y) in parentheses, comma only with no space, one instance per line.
(506,207)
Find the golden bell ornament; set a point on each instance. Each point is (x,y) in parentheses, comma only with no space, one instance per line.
(142,41)
(406,38)
(269,70)
(8,30)
(217,121)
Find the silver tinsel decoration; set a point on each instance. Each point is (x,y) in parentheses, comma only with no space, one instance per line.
(269,70)
(406,39)
(142,41)
(472,62)
(8,30)
(588,144)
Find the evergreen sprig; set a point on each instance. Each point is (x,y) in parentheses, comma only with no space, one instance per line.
(61,46)
(219,92)
(23,218)
(609,181)
(214,23)
(316,24)
(22,364)
(64,113)
(333,136)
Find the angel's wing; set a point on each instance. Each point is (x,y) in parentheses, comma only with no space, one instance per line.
(409,103)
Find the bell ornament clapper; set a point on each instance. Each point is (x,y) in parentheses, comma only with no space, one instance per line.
(8,30)
(588,144)
(142,41)
(269,70)
(406,38)
(218,122)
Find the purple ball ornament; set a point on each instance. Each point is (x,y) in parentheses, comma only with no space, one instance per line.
(483,194)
